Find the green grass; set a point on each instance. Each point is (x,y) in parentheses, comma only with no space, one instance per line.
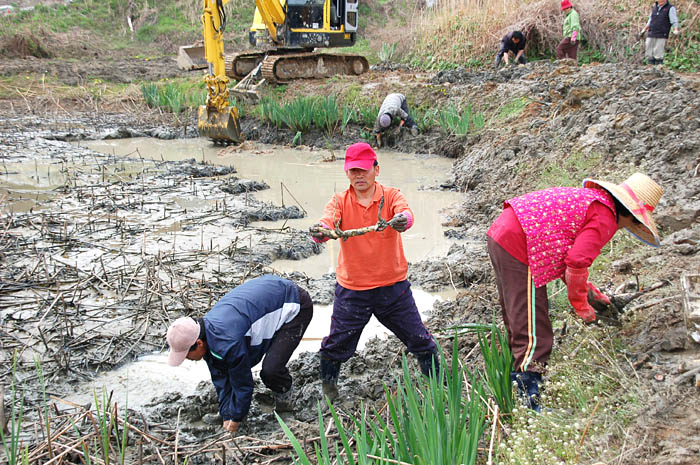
(174,96)
(587,398)
(153,20)
(569,171)
(458,122)
(512,109)
(436,420)
(11,439)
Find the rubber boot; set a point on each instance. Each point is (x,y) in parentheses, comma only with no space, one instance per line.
(330,370)
(660,62)
(284,401)
(528,387)
(652,61)
(426,361)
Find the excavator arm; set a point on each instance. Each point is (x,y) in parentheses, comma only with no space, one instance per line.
(272,15)
(217,120)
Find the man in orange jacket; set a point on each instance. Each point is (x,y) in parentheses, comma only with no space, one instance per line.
(371,271)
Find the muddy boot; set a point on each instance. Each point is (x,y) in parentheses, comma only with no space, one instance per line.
(330,370)
(528,388)
(212,419)
(284,401)
(414,131)
(426,361)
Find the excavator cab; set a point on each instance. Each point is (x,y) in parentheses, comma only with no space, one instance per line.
(304,23)
(294,33)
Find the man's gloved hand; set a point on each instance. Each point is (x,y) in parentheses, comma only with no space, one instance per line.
(576,282)
(399,222)
(595,294)
(317,234)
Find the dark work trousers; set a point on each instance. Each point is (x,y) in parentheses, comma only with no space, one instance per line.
(393,306)
(566,49)
(525,311)
(409,123)
(274,372)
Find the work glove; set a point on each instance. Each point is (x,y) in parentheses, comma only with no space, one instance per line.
(317,234)
(399,222)
(595,294)
(576,282)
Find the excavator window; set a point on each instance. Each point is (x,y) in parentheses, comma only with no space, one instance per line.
(337,11)
(306,14)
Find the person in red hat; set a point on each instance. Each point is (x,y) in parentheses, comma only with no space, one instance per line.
(568,47)
(371,271)
(557,233)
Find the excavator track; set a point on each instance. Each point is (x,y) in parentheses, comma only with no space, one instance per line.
(240,64)
(288,67)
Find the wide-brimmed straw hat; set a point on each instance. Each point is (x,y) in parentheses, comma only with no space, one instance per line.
(640,194)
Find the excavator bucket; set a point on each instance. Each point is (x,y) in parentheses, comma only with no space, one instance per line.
(191,57)
(221,127)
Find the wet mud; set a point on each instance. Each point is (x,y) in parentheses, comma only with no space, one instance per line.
(61,262)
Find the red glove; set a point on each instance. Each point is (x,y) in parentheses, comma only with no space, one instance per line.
(595,294)
(576,279)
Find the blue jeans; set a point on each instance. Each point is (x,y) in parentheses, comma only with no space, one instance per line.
(393,306)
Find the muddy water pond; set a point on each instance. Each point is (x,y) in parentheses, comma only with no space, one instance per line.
(306,178)
(301,177)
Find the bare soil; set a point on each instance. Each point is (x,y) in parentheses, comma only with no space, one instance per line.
(613,119)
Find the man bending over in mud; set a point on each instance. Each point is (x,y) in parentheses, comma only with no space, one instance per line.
(371,270)
(266,316)
(393,109)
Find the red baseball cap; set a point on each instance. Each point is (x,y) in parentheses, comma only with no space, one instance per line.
(360,155)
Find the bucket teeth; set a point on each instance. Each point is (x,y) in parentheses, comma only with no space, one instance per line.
(221,126)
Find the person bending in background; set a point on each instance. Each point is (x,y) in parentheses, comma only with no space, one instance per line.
(513,42)
(266,316)
(568,47)
(394,110)
(371,271)
(663,16)
(558,233)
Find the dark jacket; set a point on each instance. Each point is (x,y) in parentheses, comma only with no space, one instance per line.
(239,329)
(659,21)
(507,44)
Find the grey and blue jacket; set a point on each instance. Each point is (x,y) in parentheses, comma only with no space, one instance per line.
(395,106)
(239,330)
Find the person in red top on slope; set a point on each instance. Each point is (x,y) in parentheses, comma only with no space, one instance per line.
(371,269)
(557,233)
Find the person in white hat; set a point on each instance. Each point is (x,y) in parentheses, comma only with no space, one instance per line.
(558,233)
(264,317)
(394,109)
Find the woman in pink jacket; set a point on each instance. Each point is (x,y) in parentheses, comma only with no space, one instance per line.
(557,233)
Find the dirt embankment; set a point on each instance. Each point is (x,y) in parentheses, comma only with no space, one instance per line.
(602,122)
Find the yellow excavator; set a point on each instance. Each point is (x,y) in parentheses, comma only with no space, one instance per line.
(289,31)
(217,120)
